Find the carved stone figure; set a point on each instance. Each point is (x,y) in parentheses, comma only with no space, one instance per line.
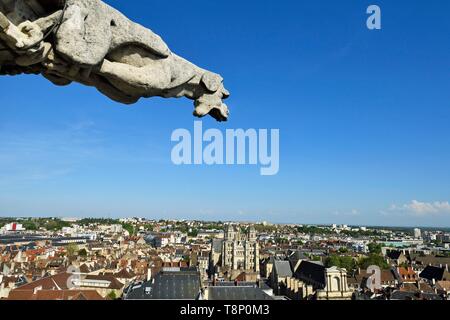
(89,42)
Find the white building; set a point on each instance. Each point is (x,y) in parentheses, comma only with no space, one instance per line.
(336,287)
(240,251)
(417,233)
(68,230)
(116,228)
(13,227)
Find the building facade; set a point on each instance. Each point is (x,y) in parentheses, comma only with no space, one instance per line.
(240,250)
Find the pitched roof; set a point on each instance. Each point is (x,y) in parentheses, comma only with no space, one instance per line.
(311,273)
(409,287)
(180,285)
(282,269)
(432,273)
(114,283)
(296,256)
(433,260)
(84,268)
(56,282)
(443,285)
(237,294)
(387,276)
(13,280)
(407,273)
(394,255)
(124,274)
(403,295)
(431,296)
(55,295)
(234,284)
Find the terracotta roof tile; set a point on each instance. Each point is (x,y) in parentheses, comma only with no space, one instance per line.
(48,295)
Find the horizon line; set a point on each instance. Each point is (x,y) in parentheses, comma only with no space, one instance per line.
(225,221)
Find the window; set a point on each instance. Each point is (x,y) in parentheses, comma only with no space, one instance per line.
(335,284)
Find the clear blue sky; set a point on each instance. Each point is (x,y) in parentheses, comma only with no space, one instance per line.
(363,115)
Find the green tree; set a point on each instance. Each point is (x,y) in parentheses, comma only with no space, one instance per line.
(71,249)
(343,250)
(30,225)
(375,248)
(129,227)
(313,230)
(193,233)
(112,295)
(346,262)
(373,260)
(280,240)
(82,253)
(55,224)
(88,221)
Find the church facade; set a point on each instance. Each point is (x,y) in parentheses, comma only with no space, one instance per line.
(239,251)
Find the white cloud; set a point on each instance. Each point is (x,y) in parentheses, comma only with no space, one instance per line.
(418,208)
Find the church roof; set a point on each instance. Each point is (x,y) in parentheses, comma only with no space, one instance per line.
(237,294)
(283,269)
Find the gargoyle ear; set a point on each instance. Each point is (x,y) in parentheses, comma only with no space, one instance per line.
(212,81)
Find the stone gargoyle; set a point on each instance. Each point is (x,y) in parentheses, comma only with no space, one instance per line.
(89,42)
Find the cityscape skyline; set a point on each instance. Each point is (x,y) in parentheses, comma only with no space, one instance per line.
(139,259)
(222,160)
(363,120)
(232,221)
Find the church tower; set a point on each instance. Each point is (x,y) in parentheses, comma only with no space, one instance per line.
(230,233)
(251,234)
